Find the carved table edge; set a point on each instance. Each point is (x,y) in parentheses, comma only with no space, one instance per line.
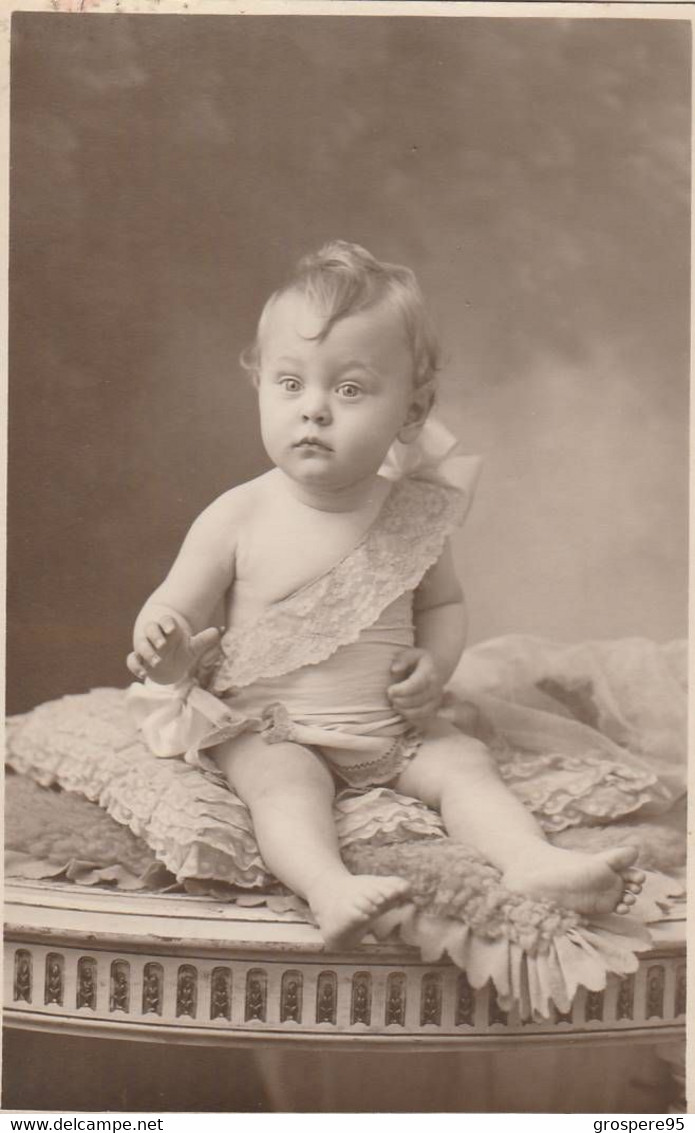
(386,952)
(129,1031)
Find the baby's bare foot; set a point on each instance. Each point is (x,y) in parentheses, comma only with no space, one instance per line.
(345,908)
(587,883)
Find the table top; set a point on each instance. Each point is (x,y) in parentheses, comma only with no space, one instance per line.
(177,968)
(67,911)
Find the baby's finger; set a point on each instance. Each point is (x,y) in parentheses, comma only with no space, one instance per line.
(168,625)
(416,699)
(206,640)
(155,635)
(413,699)
(415,682)
(147,654)
(406,661)
(136,666)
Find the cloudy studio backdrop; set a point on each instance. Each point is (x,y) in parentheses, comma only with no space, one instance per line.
(168,170)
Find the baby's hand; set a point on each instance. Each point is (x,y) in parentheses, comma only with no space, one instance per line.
(165,651)
(418,695)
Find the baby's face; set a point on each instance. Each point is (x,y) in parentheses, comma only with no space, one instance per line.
(331,409)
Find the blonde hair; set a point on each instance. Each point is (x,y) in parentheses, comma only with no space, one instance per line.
(342,279)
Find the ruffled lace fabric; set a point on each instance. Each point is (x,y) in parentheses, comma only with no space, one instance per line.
(199,828)
(536,954)
(312,623)
(87,744)
(568,791)
(196,826)
(550,714)
(380,817)
(626,698)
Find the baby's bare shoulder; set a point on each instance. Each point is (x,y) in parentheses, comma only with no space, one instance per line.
(223,520)
(237,502)
(246,500)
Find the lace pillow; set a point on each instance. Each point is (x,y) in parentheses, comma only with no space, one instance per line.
(564,791)
(200,829)
(196,825)
(565,772)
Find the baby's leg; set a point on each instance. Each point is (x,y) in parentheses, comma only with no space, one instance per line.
(456,774)
(290,791)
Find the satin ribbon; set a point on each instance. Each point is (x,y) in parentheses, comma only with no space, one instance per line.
(435,455)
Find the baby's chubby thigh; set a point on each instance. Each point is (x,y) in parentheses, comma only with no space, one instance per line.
(260,772)
(446,756)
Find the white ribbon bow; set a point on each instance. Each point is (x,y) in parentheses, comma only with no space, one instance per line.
(434,455)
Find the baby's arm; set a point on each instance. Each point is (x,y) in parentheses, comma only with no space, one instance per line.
(172,630)
(440,634)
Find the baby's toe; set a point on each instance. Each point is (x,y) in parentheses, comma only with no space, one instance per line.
(620,859)
(391,891)
(628,899)
(636,876)
(389,888)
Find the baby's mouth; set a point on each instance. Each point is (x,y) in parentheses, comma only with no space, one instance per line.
(313,442)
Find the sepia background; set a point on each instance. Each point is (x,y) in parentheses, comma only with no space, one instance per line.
(166,173)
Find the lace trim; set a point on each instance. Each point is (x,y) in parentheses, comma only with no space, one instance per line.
(86,744)
(385,767)
(564,790)
(309,626)
(197,828)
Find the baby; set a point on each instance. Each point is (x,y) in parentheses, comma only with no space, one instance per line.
(343,615)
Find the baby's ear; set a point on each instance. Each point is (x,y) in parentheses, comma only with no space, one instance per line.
(417,414)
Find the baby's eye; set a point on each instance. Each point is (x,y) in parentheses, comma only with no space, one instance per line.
(349,390)
(290,383)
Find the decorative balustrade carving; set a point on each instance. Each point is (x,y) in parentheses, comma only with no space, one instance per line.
(54,978)
(198,991)
(86,994)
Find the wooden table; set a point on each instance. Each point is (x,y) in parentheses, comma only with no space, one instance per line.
(369,1030)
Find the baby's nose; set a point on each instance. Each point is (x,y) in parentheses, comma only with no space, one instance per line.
(316,408)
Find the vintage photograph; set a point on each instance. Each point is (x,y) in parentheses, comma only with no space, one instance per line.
(347,587)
